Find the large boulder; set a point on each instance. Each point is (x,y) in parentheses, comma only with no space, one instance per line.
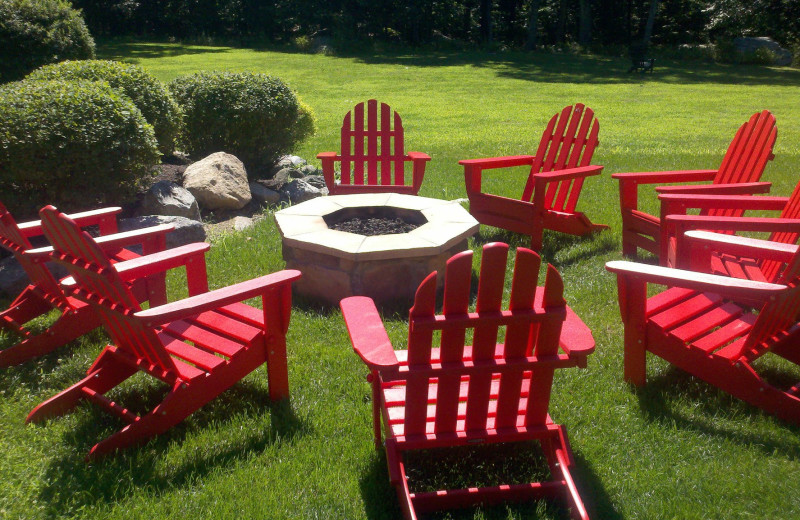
(746,46)
(186,230)
(218,182)
(167,198)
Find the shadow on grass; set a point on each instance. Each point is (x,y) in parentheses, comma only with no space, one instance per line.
(559,249)
(713,411)
(72,483)
(43,372)
(134,51)
(543,67)
(381,501)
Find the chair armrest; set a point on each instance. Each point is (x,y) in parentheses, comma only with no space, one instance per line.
(136,236)
(218,298)
(159,262)
(570,173)
(576,338)
(83,219)
(110,242)
(665,177)
(765,224)
(489,163)
(368,334)
(741,188)
(329,156)
(733,288)
(672,203)
(743,246)
(418,156)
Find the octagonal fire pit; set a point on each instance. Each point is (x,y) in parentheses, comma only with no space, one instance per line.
(386,267)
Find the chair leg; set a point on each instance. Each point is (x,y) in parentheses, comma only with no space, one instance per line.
(633,303)
(104,375)
(25,307)
(563,455)
(397,477)
(177,406)
(68,327)
(374,378)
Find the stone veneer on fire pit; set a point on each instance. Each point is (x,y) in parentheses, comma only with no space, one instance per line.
(387,268)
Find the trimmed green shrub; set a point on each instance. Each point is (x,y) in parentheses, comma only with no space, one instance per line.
(71,143)
(306,124)
(147,93)
(36,32)
(251,116)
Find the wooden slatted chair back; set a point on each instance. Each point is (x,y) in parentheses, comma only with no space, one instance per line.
(771,268)
(484,386)
(568,141)
(778,315)
(747,156)
(100,285)
(12,238)
(372,147)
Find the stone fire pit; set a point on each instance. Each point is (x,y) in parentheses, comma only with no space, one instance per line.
(388,268)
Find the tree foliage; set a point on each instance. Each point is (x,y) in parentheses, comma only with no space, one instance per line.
(37,32)
(505,22)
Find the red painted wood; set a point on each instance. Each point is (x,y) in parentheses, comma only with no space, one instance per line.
(783,230)
(713,327)
(45,292)
(200,345)
(457,394)
(373,156)
(743,164)
(557,173)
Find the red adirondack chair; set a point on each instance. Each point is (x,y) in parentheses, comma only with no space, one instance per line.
(373,158)
(456,395)
(741,168)
(44,292)
(715,327)
(783,230)
(558,170)
(199,346)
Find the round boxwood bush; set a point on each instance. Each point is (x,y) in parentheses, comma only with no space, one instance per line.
(71,143)
(36,32)
(252,116)
(147,93)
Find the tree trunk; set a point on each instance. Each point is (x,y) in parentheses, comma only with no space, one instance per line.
(486,20)
(585,23)
(562,21)
(651,18)
(533,29)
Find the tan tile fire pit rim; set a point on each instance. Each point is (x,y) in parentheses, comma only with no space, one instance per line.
(304,226)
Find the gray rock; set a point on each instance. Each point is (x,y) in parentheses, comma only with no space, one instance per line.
(296,173)
(263,194)
(299,191)
(186,230)
(296,161)
(241,223)
(783,56)
(309,169)
(318,181)
(167,198)
(218,182)
(13,278)
(284,162)
(277,181)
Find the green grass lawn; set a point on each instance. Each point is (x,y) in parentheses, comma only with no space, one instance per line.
(677,448)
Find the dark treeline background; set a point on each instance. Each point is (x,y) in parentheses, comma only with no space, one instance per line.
(514,23)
